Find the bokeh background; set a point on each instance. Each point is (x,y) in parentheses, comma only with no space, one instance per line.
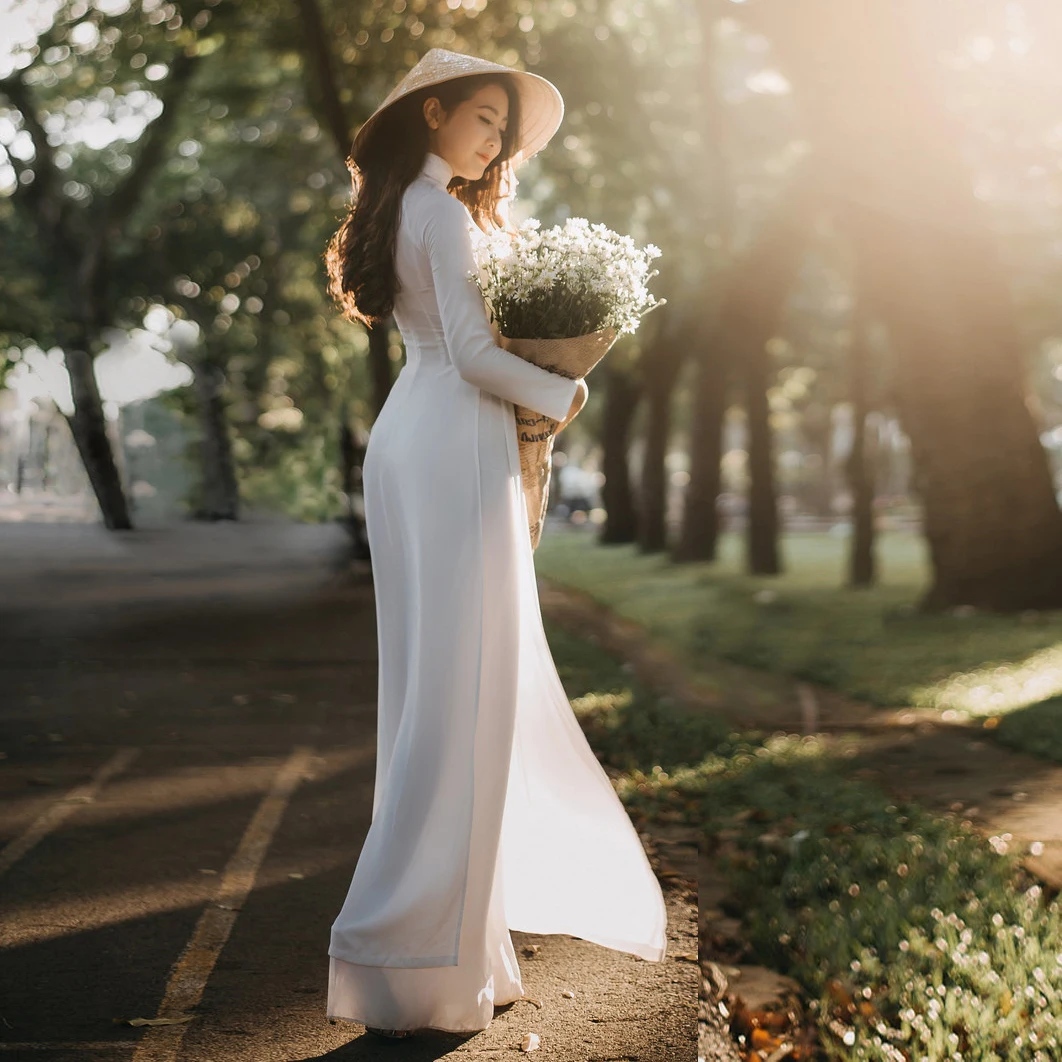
(802,572)
(857,207)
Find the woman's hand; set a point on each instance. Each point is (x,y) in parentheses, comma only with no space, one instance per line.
(581,394)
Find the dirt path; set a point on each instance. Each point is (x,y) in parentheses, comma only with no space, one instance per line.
(187,753)
(913,753)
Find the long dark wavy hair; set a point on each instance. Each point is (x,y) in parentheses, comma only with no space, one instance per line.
(360,257)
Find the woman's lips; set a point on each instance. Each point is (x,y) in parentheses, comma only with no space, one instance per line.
(485,158)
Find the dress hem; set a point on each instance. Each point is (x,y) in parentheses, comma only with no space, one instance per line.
(440,1028)
(433,962)
(417,1028)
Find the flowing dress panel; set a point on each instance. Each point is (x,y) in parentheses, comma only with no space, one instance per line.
(572,859)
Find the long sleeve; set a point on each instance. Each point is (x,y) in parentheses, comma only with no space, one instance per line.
(466,326)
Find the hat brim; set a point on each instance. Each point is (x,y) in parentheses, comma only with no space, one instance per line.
(541,104)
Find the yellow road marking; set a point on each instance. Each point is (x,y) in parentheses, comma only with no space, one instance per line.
(192,970)
(61,809)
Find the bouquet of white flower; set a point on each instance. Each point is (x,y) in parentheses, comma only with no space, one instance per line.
(560,298)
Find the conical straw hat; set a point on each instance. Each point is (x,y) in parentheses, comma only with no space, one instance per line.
(541,104)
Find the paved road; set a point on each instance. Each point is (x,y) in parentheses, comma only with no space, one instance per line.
(186,772)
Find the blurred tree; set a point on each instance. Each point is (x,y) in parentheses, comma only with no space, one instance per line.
(629,156)
(75,200)
(233,231)
(699,533)
(621,398)
(889,150)
(749,317)
(330,97)
(660,367)
(860,464)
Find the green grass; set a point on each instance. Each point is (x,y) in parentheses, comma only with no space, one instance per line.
(914,937)
(1036,729)
(871,644)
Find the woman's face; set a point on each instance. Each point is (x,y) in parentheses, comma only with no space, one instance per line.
(469,138)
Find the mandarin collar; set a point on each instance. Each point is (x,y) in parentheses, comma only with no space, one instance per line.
(436,169)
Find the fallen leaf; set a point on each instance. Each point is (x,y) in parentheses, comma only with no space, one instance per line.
(762,1040)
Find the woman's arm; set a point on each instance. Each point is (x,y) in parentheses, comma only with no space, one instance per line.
(466,326)
(578,402)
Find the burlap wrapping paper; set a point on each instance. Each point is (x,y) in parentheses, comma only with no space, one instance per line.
(535,432)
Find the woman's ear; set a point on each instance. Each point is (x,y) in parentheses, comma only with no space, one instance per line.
(433,112)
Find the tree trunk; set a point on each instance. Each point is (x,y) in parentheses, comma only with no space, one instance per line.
(750,315)
(761,530)
(860,464)
(699,536)
(77,255)
(991,518)
(660,372)
(931,268)
(621,401)
(220,494)
(89,428)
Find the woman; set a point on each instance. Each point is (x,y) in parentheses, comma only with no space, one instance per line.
(490,811)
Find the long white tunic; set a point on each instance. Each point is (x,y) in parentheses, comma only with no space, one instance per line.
(490,810)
